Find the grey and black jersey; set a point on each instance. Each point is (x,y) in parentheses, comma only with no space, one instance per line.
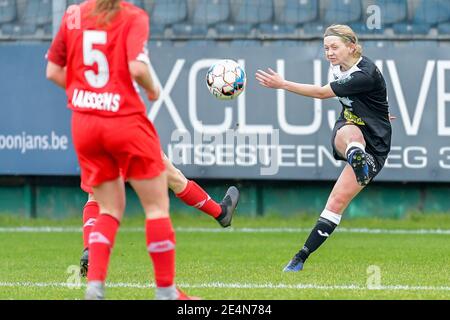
(362,93)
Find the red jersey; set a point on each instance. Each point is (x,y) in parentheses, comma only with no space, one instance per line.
(97,56)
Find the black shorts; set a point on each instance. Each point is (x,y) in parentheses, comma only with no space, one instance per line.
(374,161)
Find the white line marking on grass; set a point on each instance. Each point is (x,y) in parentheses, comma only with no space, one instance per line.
(40,229)
(298,230)
(232,230)
(234,286)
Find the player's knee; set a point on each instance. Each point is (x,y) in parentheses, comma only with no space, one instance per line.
(117,210)
(337,202)
(349,134)
(175,179)
(157,205)
(173,176)
(156,211)
(356,137)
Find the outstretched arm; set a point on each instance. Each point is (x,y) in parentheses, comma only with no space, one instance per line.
(271,79)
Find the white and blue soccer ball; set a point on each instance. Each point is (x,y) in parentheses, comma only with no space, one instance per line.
(226,79)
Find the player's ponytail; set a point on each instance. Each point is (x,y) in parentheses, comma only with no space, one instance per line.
(347,35)
(106,10)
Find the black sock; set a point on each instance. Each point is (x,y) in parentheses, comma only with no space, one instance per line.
(322,230)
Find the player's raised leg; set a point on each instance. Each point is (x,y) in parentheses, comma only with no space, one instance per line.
(345,189)
(187,190)
(193,195)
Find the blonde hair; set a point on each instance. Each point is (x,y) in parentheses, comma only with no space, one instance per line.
(347,35)
(106,10)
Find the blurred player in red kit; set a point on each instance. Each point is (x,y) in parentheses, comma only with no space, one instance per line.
(98,56)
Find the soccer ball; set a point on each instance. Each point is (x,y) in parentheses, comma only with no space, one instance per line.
(225,79)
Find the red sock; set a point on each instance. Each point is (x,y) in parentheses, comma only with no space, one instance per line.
(161,247)
(101,241)
(193,195)
(90,214)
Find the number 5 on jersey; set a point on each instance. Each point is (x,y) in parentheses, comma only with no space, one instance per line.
(92,56)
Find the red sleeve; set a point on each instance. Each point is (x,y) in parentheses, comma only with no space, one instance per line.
(57,52)
(137,39)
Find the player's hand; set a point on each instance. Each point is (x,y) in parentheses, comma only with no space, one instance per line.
(154,94)
(269,79)
(392,117)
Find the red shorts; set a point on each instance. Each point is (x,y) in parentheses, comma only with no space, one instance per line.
(109,147)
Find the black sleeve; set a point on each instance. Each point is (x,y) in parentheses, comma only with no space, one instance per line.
(357,82)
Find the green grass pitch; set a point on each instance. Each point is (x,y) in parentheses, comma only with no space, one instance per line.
(239,263)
